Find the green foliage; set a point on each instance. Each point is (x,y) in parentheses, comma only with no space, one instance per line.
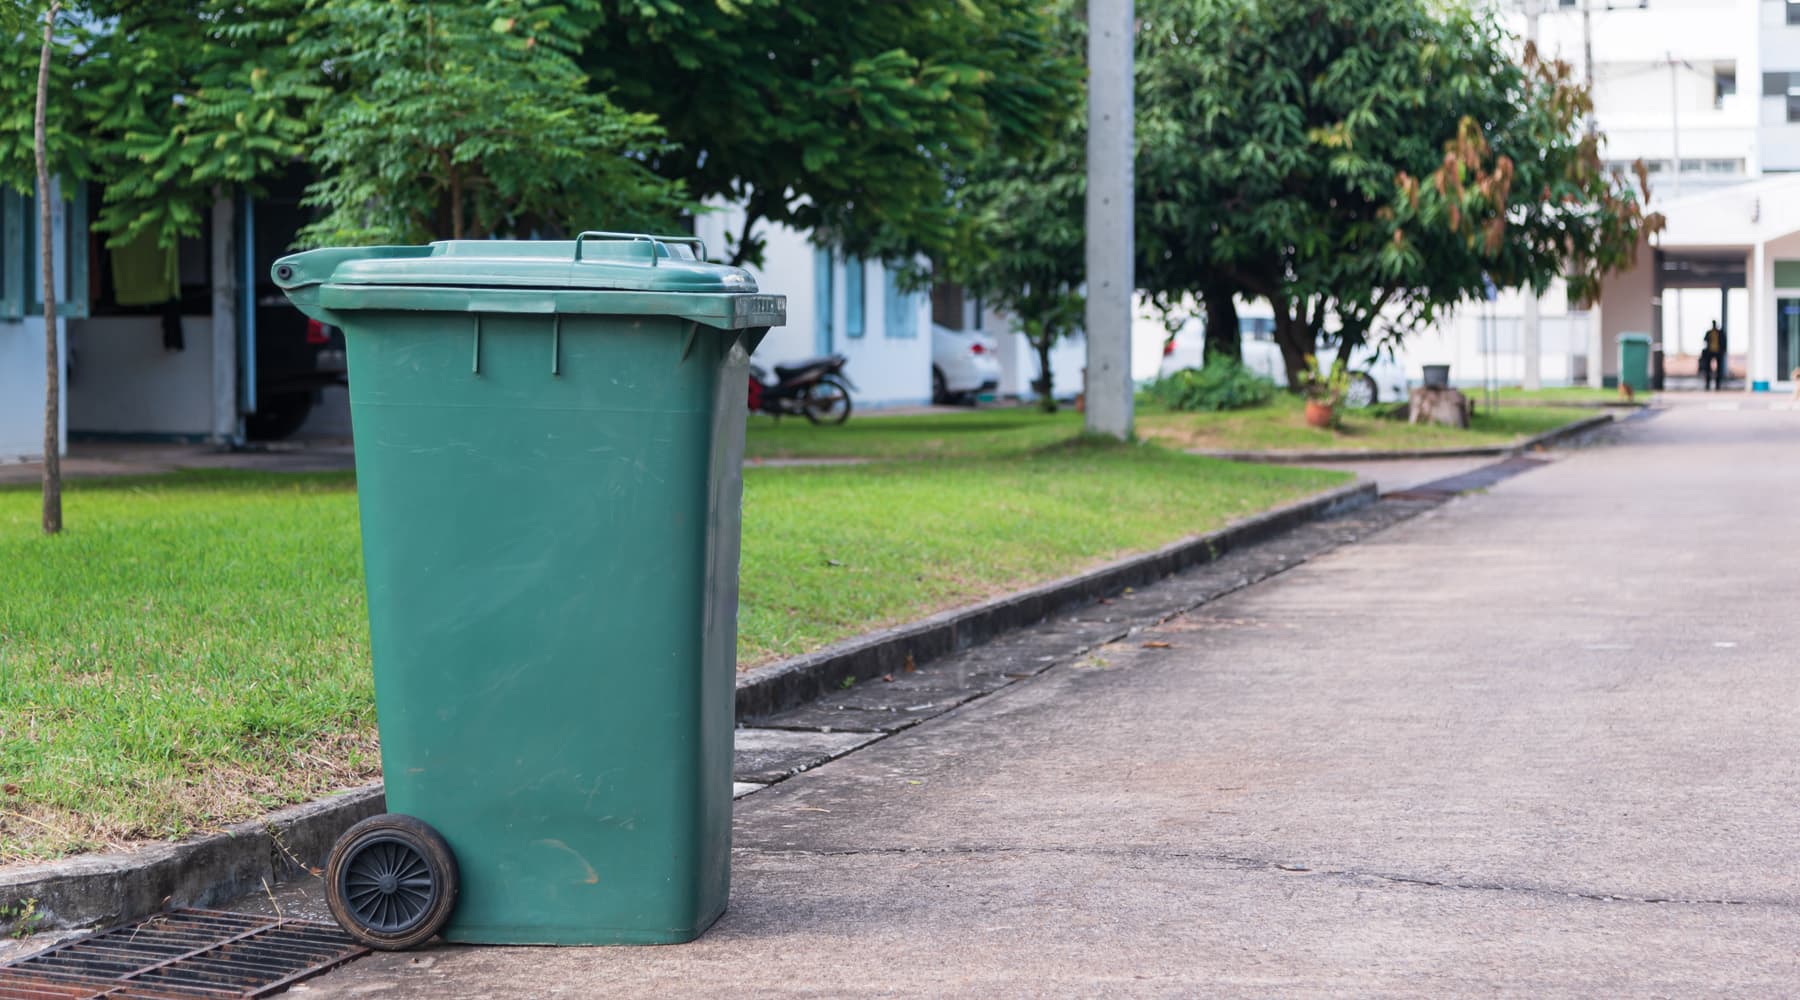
(1030,207)
(1280,143)
(851,118)
(466,121)
(166,105)
(425,120)
(1324,385)
(1223,383)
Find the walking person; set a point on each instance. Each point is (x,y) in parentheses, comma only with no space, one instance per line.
(1713,366)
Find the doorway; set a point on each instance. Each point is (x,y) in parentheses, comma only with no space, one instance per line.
(1787,336)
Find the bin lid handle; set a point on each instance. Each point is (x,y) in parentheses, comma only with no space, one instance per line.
(656,242)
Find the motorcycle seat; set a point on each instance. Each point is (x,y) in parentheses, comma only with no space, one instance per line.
(788,371)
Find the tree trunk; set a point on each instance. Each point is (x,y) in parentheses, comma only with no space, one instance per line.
(1046,381)
(1222,333)
(741,254)
(53,519)
(456,204)
(1294,337)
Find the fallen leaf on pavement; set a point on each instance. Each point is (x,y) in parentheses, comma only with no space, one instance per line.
(1158,645)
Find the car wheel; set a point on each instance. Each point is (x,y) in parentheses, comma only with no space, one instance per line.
(940,390)
(1361,392)
(278,415)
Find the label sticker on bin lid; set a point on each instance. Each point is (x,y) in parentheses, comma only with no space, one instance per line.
(597,261)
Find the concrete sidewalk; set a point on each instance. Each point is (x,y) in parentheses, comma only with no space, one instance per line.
(1540,741)
(90,459)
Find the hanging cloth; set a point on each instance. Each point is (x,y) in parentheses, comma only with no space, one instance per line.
(145,274)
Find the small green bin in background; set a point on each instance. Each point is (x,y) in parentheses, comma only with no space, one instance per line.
(1634,361)
(549,439)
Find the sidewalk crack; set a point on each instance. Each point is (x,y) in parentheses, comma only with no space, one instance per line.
(1249,864)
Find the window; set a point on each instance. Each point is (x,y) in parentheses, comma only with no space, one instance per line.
(12,255)
(824,299)
(23,276)
(902,312)
(1724,84)
(980,308)
(854,306)
(1793,11)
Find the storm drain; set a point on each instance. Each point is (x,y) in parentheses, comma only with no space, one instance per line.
(181,955)
(1477,479)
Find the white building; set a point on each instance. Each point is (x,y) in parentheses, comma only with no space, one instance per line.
(1707,94)
(838,304)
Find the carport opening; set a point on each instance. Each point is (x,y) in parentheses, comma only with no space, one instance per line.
(1694,290)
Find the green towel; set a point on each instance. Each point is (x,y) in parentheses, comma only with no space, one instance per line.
(145,274)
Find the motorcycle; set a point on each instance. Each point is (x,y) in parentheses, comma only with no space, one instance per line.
(816,389)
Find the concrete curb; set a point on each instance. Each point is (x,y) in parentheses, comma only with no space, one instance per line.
(794,682)
(206,871)
(1543,440)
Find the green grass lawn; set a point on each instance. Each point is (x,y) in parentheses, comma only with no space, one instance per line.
(193,651)
(1577,394)
(1011,432)
(911,538)
(970,434)
(1280,426)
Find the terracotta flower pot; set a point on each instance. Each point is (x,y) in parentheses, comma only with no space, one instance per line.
(1318,414)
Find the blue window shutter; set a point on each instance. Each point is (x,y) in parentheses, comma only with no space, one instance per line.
(853,297)
(12,255)
(902,312)
(824,300)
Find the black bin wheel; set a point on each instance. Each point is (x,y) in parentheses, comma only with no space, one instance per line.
(391,882)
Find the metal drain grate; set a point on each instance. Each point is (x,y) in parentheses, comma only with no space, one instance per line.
(181,955)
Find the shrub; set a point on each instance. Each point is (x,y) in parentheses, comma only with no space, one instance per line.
(1223,384)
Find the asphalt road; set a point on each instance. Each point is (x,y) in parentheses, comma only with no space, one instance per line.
(1543,740)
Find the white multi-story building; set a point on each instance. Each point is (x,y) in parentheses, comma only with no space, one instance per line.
(1707,94)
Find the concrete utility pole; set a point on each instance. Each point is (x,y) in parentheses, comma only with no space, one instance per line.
(1532,376)
(1587,56)
(1110,215)
(1596,363)
(1675,123)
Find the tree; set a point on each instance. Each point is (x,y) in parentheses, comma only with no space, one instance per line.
(53,520)
(1282,148)
(165,107)
(1030,208)
(466,121)
(850,118)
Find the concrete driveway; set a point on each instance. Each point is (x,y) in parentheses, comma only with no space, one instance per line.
(1542,741)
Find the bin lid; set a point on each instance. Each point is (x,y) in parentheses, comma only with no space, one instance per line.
(594,261)
(1634,338)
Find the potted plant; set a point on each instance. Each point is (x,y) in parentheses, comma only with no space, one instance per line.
(1324,391)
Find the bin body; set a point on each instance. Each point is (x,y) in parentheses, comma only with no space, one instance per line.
(550,486)
(1634,361)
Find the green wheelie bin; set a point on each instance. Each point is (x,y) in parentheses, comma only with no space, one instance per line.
(549,438)
(1634,361)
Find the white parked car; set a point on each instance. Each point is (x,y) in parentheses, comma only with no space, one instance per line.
(963,365)
(1375,378)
